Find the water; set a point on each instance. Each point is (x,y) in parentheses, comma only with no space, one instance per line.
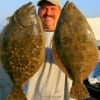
(98,64)
(96,72)
(98,42)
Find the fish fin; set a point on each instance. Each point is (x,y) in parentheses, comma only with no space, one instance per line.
(16,94)
(79,91)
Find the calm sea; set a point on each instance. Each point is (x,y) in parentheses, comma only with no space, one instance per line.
(98,42)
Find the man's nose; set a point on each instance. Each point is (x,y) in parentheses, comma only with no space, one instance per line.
(48,12)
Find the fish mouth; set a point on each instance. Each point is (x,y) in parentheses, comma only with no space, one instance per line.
(31,9)
(69,2)
(30,4)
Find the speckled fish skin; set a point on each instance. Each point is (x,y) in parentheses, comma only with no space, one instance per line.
(22,48)
(74,48)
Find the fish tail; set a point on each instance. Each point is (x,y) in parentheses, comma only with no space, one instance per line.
(79,91)
(16,94)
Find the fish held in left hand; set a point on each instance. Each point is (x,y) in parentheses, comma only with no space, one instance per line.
(74,48)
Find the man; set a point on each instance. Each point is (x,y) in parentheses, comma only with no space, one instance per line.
(49,82)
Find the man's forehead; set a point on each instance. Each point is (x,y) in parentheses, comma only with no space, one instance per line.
(47,3)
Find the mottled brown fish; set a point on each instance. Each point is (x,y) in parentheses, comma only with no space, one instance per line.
(74,48)
(22,48)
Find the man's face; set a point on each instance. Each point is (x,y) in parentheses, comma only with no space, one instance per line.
(49,15)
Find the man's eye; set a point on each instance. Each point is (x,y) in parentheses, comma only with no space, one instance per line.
(53,9)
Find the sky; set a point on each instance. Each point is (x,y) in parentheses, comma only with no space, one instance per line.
(90,8)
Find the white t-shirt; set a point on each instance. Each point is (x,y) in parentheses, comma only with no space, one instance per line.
(48,83)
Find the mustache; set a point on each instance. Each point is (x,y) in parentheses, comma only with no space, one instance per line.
(48,16)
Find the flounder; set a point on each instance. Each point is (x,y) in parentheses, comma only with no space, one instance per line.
(22,47)
(74,48)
